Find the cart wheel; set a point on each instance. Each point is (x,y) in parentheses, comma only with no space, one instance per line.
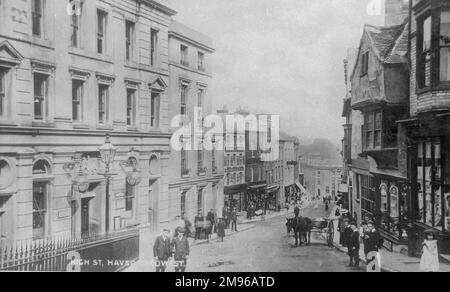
(330,234)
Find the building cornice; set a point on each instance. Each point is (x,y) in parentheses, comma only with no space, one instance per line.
(191,41)
(159,6)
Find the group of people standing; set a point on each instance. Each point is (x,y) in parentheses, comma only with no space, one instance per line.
(352,236)
(209,225)
(166,248)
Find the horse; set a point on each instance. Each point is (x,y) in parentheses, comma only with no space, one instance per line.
(301,226)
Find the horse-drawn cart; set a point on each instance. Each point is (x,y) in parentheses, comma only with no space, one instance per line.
(324,226)
(305,226)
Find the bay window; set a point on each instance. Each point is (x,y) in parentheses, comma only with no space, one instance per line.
(433,49)
(444,47)
(372,130)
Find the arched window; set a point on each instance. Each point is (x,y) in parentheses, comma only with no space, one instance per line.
(41,187)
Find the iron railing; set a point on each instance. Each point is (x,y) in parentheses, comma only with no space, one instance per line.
(97,253)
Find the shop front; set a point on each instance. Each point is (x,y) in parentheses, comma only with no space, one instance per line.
(271,203)
(292,194)
(256,197)
(235,197)
(384,200)
(429,159)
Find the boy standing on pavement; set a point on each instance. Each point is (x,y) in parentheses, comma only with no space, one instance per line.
(354,246)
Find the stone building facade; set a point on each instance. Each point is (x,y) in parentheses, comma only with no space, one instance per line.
(196,175)
(66,82)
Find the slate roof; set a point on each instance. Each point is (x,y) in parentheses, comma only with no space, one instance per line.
(389,43)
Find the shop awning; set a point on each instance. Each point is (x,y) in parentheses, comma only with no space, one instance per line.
(302,188)
(257,187)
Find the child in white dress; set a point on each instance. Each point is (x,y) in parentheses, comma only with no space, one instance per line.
(430,254)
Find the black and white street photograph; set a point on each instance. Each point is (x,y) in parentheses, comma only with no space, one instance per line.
(225,136)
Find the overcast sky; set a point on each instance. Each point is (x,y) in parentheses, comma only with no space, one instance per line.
(281,56)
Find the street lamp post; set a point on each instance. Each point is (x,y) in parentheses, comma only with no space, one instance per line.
(107,154)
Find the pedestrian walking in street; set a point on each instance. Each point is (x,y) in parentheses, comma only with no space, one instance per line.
(162,250)
(226,216)
(353,245)
(220,229)
(198,221)
(180,247)
(373,241)
(430,254)
(234,220)
(212,220)
(178,225)
(187,227)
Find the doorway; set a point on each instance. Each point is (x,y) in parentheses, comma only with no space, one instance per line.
(85,228)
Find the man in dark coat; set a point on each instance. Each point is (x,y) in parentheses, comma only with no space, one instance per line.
(345,231)
(212,220)
(181,251)
(372,239)
(234,220)
(220,229)
(198,229)
(226,216)
(162,251)
(354,245)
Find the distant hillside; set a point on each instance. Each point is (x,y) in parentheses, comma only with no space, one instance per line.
(323,148)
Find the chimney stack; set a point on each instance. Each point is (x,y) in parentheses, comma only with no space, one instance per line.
(396,12)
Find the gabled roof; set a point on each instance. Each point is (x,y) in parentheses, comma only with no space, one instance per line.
(389,44)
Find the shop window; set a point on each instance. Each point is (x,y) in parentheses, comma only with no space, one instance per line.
(429,180)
